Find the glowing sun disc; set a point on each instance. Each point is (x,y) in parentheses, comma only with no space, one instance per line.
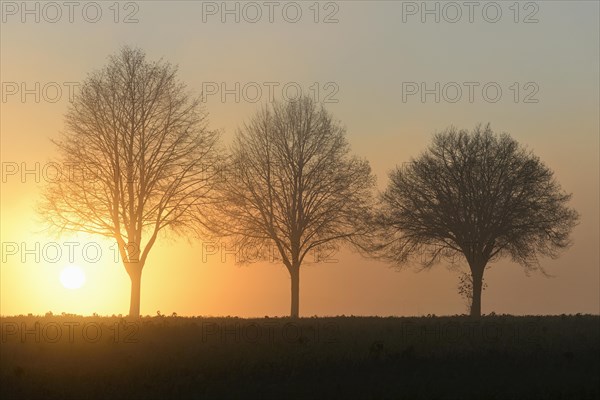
(72,277)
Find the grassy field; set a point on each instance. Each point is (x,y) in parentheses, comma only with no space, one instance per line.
(494,357)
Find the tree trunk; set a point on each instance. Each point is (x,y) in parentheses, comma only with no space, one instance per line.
(477,278)
(295,275)
(135,274)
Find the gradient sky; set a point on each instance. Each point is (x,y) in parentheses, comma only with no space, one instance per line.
(367,54)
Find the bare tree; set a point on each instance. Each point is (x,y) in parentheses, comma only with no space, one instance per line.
(465,287)
(480,195)
(293,186)
(140,156)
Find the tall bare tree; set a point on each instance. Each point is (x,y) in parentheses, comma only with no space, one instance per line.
(479,195)
(293,186)
(141,159)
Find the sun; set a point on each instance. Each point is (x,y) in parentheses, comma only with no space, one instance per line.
(72,277)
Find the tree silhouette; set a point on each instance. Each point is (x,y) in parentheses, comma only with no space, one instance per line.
(478,194)
(293,186)
(140,156)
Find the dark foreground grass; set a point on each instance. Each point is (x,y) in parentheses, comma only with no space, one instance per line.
(494,357)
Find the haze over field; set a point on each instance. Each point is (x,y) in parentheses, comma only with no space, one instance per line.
(377,79)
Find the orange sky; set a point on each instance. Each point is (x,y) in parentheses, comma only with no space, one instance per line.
(361,61)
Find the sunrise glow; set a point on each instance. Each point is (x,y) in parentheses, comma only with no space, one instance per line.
(72,277)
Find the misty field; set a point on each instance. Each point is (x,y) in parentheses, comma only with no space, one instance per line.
(494,357)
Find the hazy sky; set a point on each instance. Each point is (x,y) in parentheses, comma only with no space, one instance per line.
(370,62)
